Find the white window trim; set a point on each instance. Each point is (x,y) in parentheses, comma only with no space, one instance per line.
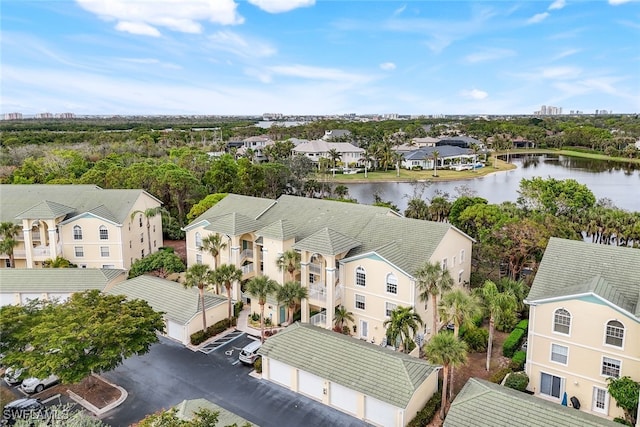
(444,264)
(355,302)
(75,251)
(462,256)
(100,230)
(602,364)
(460,274)
(355,277)
(551,354)
(386,283)
(386,304)
(553,322)
(108,251)
(607,398)
(548,396)
(624,335)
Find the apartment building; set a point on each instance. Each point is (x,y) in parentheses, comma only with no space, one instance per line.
(89,226)
(584,324)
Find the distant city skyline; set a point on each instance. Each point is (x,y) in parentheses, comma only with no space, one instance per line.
(308,57)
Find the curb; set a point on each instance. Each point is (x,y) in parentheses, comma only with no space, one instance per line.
(95,409)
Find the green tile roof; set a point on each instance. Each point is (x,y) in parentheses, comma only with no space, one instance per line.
(188,408)
(571,267)
(233,224)
(247,205)
(384,374)
(45,210)
(281,229)
(56,280)
(484,404)
(328,242)
(179,304)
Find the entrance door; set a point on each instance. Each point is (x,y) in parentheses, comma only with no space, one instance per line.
(364,329)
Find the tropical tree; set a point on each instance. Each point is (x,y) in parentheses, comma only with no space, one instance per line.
(417,208)
(397,158)
(261,287)
(496,305)
(341,316)
(434,155)
(433,281)
(291,294)
(625,391)
(289,261)
(200,276)
(148,214)
(8,232)
(403,325)
(226,274)
(341,191)
(446,350)
(58,262)
(335,156)
(213,244)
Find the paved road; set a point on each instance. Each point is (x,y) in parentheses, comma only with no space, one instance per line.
(170,373)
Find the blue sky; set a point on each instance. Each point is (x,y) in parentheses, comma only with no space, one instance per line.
(231,57)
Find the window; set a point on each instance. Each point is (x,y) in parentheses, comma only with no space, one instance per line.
(453,261)
(198,258)
(615,333)
(610,367)
(444,264)
(129,244)
(312,278)
(388,308)
(550,385)
(140,221)
(79,250)
(104,233)
(154,228)
(155,244)
(141,237)
(104,251)
(360,302)
(559,353)
(562,321)
(600,400)
(461,256)
(142,253)
(77,232)
(7,263)
(392,284)
(361,277)
(460,275)
(83,265)
(198,240)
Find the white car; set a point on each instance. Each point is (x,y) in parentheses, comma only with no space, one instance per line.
(13,376)
(36,385)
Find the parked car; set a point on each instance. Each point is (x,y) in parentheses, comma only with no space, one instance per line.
(249,353)
(13,376)
(21,409)
(36,385)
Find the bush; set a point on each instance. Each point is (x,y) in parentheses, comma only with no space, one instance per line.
(198,337)
(476,339)
(237,308)
(517,381)
(257,365)
(221,326)
(518,360)
(416,168)
(512,343)
(255,317)
(425,415)
(622,421)
(498,376)
(523,324)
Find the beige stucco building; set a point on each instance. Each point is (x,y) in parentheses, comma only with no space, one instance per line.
(358,256)
(584,324)
(89,226)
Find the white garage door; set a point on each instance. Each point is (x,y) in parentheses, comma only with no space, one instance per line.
(175,331)
(311,385)
(379,413)
(60,297)
(344,398)
(280,373)
(25,298)
(7,299)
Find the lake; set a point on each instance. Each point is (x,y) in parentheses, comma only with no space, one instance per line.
(619,182)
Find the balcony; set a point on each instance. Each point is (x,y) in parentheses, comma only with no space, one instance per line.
(315,268)
(247,269)
(318,295)
(246,253)
(319,319)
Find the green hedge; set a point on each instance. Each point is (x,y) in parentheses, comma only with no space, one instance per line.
(523,324)
(513,341)
(518,360)
(517,381)
(425,415)
(218,327)
(498,376)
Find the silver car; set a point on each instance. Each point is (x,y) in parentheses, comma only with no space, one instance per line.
(36,385)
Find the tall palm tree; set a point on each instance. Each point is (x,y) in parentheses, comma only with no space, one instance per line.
(434,155)
(496,304)
(458,307)
(433,281)
(8,232)
(446,350)
(291,293)
(289,261)
(334,155)
(213,244)
(226,274)
(397,158)
(341,316)
(417,208)
(366,159)
(403,324)
(341,191)
(200,276)
(261,287)
(148,214)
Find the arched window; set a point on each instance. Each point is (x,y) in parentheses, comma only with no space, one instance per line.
(198,240)
(77,232)
(562,321)
(361,277)
(392,284)
(614,333)
(104,233)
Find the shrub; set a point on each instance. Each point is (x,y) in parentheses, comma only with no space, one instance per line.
(512,343)
(498,376)
(237,308)
(523,324)
(425,415)
(518,360)
(416,168)
(346,330)
(221,326)
(622,421)
(255,317)
(257,365)
(517,381)
(476,339)
(198,337)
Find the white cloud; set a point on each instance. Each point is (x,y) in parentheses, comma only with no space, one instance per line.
(565,53)
(238,45)
(474,94)
(539,17)
(489,55)
(557,5)
(318,73)
(279,6)
(399,10)
(388,66)
(560,73)
(618,2)
(144,17)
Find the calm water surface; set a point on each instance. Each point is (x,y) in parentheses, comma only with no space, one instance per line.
(619,182)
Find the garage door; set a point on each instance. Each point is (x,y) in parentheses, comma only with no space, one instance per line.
(344,399)
(7,299)
(175,331)
(280,373)
(25,298)
(379,413)
(311,385)
(60,297)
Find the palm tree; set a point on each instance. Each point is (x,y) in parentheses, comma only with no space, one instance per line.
(290,261)
(496,304)
(397,158)
(341,316)
(446,350)
(335,156)
(402,324)
(148,214)
(226,274)
(434,155)
(200,276)
(260,287)
(417,208)
(366,159)
(213,244)
(341,191)
(8,232)
(458,307)
(433,280)
(291,293)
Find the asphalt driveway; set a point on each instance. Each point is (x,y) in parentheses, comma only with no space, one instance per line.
(170,373)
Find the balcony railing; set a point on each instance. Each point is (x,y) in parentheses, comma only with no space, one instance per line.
(247,253)
(246,269)
(317,291)
(319,319)
(315,268)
